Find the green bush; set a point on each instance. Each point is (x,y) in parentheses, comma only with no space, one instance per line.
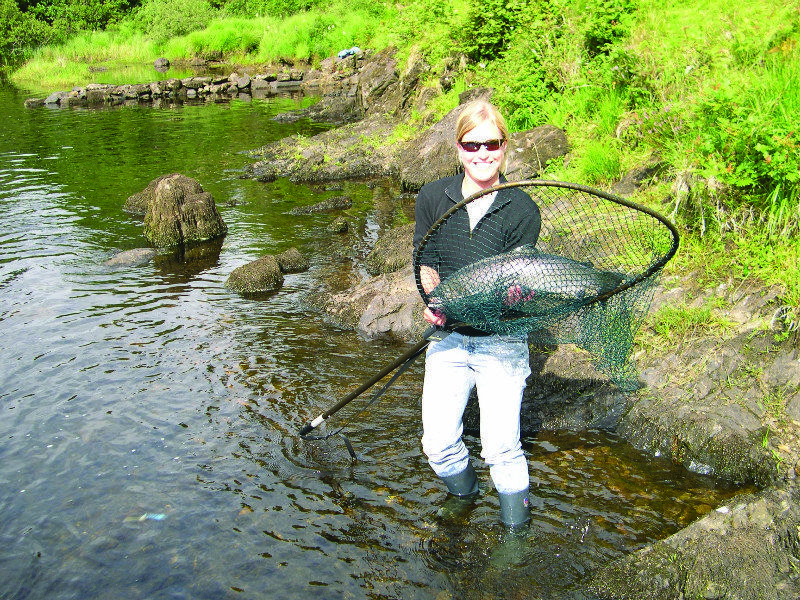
(165,19)
(68,17)
(606,23)
(272,8)
(429,29)
(492,23)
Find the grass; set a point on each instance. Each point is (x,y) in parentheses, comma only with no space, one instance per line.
(677,322)
(774,405)
(62,67)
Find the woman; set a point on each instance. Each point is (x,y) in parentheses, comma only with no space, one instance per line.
(467,358)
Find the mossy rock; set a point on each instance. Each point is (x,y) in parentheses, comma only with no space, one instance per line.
(338,225)
(137,203)
(292,261)
(261,275)
(331,204)
(180,212)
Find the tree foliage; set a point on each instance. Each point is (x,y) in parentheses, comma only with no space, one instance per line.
(19,32)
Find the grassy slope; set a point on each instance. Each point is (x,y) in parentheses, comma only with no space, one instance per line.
(666,88)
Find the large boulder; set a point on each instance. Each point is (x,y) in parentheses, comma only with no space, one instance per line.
(383,89)
(379,75)
(354,151)
(395,308)
(388,305)
(180,212)
(256,277)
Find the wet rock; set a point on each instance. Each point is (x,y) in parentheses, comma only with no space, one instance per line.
(243,82)
(180,212)
(55,98)
(292,261)
(328,205)
(392,251)
(161,64)
(261,275)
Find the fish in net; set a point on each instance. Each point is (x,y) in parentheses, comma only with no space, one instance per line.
(587,278)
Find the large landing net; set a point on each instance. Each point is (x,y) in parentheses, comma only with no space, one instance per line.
(588,279)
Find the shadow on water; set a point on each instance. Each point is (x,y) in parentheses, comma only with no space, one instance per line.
(184,263)
(150,417)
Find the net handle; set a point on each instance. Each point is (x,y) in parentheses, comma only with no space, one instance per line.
(652,270)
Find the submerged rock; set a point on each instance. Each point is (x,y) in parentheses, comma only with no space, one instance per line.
(328,205)
(392,251)
(338,225)
(131,258)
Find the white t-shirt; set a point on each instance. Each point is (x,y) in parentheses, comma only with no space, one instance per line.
(478,208)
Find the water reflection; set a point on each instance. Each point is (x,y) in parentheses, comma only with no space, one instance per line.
(153,390)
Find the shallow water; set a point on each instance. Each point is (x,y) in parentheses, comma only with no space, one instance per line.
(149,416)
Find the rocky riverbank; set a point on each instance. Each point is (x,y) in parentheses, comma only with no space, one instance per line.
(720,397)
(211,86)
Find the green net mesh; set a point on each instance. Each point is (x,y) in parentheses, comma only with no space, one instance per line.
(587,280)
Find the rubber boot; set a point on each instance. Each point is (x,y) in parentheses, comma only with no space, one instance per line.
(462,484)
(514,548)
(514,508)
(463,488)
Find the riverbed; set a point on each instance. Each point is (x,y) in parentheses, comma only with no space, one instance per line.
(150,416)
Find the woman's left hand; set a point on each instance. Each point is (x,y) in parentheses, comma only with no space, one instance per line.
(434,317)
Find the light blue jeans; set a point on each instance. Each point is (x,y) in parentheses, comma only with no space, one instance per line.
(498,367)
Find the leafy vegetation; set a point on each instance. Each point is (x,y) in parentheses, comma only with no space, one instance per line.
(707,88)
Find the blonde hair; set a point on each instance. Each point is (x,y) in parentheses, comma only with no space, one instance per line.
(477,112)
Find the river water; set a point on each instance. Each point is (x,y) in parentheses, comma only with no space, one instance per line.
(148,437)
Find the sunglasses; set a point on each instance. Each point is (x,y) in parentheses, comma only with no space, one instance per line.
(490,145)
